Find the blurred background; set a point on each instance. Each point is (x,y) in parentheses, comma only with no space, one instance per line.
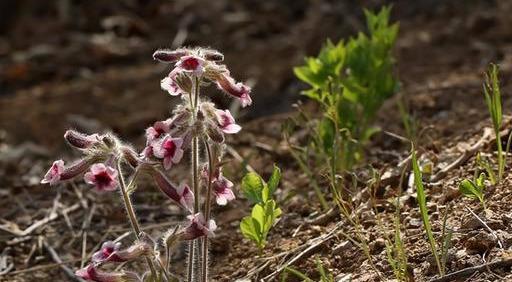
(88,65)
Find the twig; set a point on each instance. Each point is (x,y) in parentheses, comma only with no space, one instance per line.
(239,158)
(85,225)
(55,257)
(465,156)
(308,248)
(53,216)
(486,226)
(470,270)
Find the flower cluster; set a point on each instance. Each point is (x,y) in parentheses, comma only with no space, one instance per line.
(195,122)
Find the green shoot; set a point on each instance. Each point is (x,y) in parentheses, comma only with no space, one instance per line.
(422,202)
(265,212)
(324,275)
(483,164)
(351,80)
(446,234)
(474,189)
(493,100)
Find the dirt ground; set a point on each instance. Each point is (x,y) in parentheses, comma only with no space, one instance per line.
(88,66)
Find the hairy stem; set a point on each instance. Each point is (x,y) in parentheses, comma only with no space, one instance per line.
(207,209)
(131,214)
(195,178)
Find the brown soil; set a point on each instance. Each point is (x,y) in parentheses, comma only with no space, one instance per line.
(74,80)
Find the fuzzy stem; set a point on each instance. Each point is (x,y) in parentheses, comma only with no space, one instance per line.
(131,215)
(195,177)
(207,208)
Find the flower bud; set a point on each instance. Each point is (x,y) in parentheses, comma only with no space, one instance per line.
(214,132)
(212,55)
(91,273)
(169,56)
(184,82)
(58,172)
(109,141)
(198,227)
(182,194)
(80,140)
(239,90)
(111,252)
(130,156)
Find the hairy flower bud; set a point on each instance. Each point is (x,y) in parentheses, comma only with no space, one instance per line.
(111,252)
(212,55)
(198,227)
(91,273)
(239,90)
(109,141)
(130,156)
(169,56)
(58,172)
(80,140)
(215,133)
(182,194)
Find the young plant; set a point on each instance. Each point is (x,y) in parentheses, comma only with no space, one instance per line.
(265,212)
(197,125)
(325,276)
(492,96)
(351,81)
(422,202)
(474,189)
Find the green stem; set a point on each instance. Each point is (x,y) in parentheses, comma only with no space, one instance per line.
(131,214)
(207,209)
(195,176)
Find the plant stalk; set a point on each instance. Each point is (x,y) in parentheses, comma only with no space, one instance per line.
(131,215)
(195,178)
(207,210)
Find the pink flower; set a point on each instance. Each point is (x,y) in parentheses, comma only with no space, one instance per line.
(54,173)
(239,90)
(90,273)
(227,122)
(58,172)
(192,64)
(107,249)
(222,191)
(80,140)
(198,227)
(169,149)
(169,56)
(102,176)
(170,85)
(110,252)
(158,129)
(182,194)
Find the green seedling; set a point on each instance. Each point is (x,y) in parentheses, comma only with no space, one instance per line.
(422,202)
(265,212)
(351,80)
(325,276)
(492,96)
(474,189)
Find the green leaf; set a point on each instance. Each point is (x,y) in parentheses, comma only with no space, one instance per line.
(251,229)
(265,194)
(469,189)
(274,179)
(258,213)
(422,202)
(252,187)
